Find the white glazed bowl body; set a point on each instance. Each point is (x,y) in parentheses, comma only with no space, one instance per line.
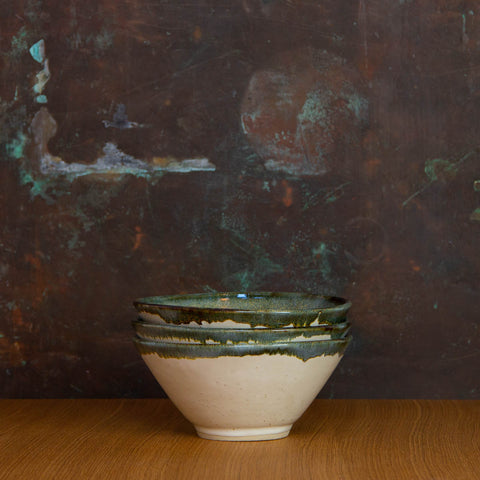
(242,392)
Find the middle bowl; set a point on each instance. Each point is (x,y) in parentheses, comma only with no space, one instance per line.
(229,336)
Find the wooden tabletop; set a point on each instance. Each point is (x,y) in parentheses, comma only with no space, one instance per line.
(335,440)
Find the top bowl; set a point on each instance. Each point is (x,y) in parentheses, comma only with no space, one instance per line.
(244,310)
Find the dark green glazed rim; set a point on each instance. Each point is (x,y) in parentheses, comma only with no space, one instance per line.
(302,350)
(257,309)
(234,335)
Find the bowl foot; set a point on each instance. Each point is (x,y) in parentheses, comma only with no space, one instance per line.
(243,434)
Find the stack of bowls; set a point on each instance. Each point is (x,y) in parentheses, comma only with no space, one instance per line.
(242,366)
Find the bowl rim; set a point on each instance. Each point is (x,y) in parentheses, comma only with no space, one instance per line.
(161,302)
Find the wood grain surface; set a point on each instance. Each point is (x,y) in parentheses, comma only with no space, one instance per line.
(335,439)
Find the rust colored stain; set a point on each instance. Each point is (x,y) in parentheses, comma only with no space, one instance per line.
(13,352)
(18,322)
(34,260)
(414,266)
(139,236)
(372,165)
(299,113)
(17,318)
(197,34)
(287,199)
(40,281)
(44,128)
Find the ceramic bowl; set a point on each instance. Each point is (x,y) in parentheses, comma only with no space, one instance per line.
(242,392)
(244,310)
(206,335)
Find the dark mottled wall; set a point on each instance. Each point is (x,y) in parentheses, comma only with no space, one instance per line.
(166,147)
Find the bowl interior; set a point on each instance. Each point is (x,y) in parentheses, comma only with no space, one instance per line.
(271,302)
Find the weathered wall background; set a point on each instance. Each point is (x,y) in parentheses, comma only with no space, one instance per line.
(167,147)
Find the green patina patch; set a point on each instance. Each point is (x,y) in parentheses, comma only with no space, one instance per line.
(16,147)
(258,264)
(248,278)
(475,215)
(103,41)
(315,109)
(99,44)
(322,253)
(356,103)
(320,104)
(41,99)
(440,169)
(12,135)
(37,51)
(38,187)
(326,195)
(33,10)
(19,44)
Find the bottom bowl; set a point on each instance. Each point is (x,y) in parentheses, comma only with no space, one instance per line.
(242,392)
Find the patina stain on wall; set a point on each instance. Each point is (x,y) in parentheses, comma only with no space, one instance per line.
(166,147)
